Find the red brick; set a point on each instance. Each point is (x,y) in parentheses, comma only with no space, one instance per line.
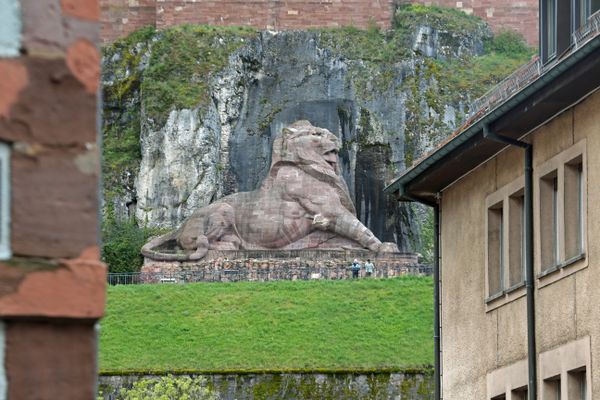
(86,9)
(47,360)
(14,79)
(54,201)
(83,60)
(54,108)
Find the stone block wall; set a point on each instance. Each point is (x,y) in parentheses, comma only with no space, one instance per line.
(51,279)
(233,266)
(120,17)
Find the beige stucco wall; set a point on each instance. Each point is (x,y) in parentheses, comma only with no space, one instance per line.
(477,341)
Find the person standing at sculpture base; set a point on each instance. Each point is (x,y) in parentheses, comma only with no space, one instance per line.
(355,269)
(369,268)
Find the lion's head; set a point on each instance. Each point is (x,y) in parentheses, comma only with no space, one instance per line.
(304,144)
(314,150)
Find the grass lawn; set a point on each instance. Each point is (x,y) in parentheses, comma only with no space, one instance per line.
(276,325)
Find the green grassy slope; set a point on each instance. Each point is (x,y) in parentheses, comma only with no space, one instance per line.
(275,326)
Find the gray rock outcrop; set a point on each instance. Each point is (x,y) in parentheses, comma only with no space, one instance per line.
(379,111)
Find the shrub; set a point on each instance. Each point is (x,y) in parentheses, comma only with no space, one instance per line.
(169,388)
(509,43)
(122,243)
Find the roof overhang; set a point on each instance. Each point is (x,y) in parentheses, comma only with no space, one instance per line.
(562,86)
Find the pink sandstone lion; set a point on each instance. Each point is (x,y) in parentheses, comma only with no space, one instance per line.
(302,203)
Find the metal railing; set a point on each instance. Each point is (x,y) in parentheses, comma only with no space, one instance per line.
(261,275)
(531,71)
(508,86)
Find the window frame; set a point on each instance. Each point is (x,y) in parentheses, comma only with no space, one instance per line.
(564,266)
(5,202)
(505,196)
(545,43)
(561,363)
(507,381)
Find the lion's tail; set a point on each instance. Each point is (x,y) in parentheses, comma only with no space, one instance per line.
(149,252)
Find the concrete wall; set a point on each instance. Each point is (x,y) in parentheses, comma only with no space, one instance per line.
(52,287)
(479,338)
(120,17)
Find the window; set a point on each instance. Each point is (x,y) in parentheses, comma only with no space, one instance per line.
(551,388)
(516,239)
(583,10)
(549,220)
(576,381)
(564,371)
(508,382)
(561,222)
(577,384)
(519,394)
(594,7)
(5,252)
(559,19)
(549,29)
(505,246)
(495,249)
(573,200)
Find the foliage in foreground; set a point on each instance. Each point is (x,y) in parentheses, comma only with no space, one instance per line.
(121,244)
(168,388)
(302,325)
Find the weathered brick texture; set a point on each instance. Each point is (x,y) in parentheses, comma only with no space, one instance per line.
(520,16)
(52,289)
(120,17)
(46,360)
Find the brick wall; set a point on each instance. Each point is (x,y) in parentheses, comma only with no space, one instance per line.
(52,282)
(520,16)
(275,14)
(120,17)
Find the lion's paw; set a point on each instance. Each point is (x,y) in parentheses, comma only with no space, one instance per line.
(388,247)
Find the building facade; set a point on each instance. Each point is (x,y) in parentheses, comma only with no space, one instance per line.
(519,317)
(52,282)
(120,17)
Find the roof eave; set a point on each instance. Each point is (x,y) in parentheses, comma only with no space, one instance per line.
(399,185)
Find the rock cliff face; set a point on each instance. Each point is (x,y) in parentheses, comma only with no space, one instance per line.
(380,93)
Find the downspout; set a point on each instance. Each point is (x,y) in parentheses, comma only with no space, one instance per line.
(436,295)
(528,200)
(436,303)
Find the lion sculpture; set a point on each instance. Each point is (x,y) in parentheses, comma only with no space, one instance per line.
(302,203)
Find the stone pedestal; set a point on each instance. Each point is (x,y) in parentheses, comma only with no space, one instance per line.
(269,265)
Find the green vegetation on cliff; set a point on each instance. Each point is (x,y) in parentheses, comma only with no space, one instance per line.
(149,73)
(181,60)
(160,71)
(395,45)
(504,53)
(306,325)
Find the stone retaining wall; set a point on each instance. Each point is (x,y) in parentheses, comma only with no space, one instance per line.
(228,266)
(300,386)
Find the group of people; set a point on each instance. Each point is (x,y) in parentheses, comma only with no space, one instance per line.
(356,267)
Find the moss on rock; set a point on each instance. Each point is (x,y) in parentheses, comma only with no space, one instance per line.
(181,62)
